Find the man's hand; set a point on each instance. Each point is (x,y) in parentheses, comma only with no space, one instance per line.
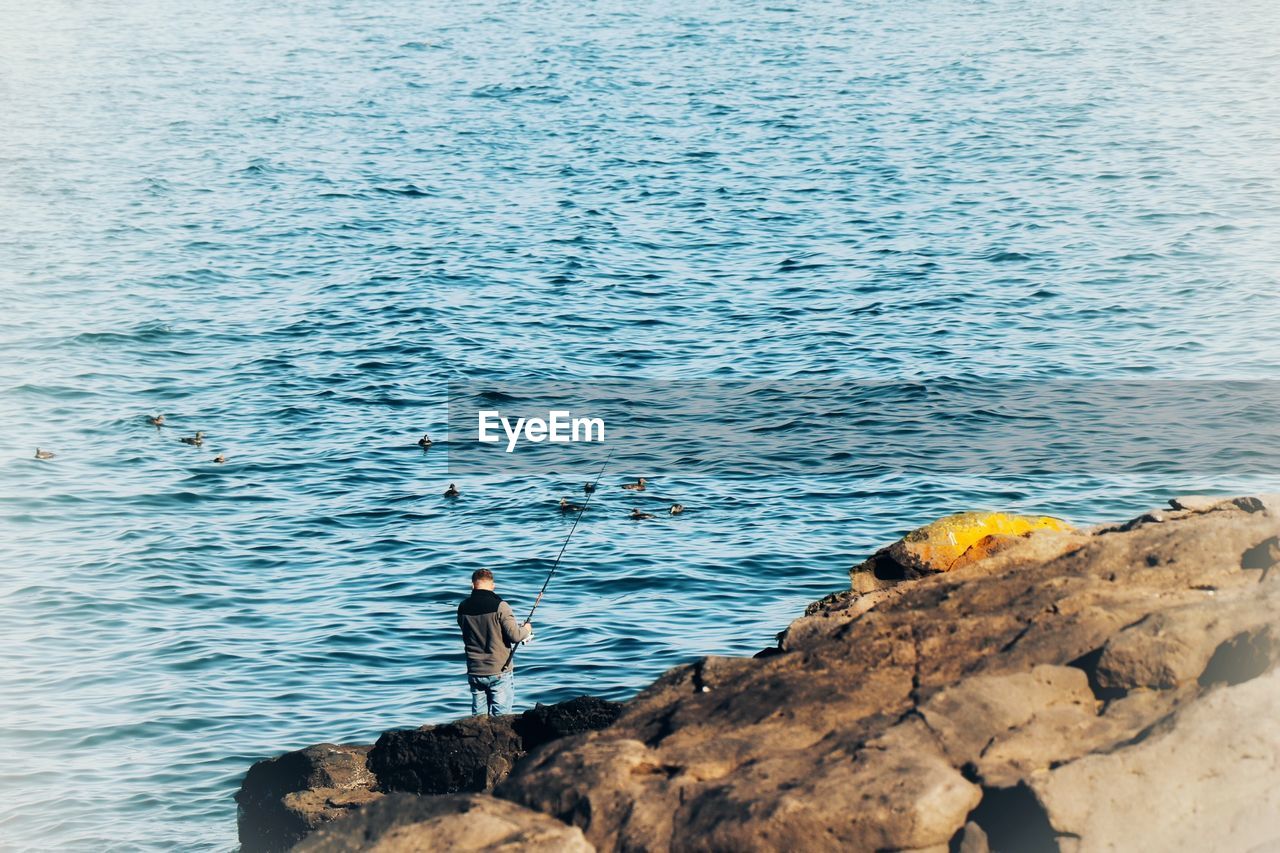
(529,638)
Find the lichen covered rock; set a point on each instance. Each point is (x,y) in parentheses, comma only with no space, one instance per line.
(942,545)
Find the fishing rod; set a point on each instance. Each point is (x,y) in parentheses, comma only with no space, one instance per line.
(555,565)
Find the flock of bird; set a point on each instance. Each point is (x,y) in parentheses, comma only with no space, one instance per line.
(587,488)
(156,421)
(425,442)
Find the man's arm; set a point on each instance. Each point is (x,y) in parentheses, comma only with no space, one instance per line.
(511,632)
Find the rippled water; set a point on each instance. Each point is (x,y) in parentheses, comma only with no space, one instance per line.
(290,224)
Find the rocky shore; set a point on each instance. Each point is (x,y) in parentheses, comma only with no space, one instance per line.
(990,682)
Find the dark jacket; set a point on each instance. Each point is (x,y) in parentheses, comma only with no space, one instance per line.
(489,632)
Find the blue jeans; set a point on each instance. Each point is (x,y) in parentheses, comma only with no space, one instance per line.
(492,694)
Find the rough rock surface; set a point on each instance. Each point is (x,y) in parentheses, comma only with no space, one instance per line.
(470,755)
(404,823)
(944,545)
(284,798)
(476,753)
(1075,690)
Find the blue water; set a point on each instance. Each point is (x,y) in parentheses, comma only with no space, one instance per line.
(289,224)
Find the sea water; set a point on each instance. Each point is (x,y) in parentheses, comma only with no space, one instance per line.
(291,224)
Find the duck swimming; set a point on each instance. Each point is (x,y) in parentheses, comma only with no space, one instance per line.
(156,420)
(637,486)
(637,515)
(452,491)
(588,488)
(676,509)
(565,506)
(220,458)
(425,441)
(194,440)
(44,454)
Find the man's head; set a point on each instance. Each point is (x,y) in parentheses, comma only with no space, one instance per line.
(482,579)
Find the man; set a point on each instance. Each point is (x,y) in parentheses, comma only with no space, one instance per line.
(490,635)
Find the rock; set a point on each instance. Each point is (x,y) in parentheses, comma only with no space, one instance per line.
(989,555)
(469,755)
(284,798)
(1210,503)
(474,754)
(937,546)
(404,823)
(1044,690)
(1205,780)
(545,723)
(1174,647)
(938,711)
(973,839)
(1198,503)
(976,720)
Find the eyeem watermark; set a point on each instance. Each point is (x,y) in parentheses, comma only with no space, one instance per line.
(559,427)
(1150,431)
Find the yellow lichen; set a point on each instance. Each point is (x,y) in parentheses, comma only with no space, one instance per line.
(938,544)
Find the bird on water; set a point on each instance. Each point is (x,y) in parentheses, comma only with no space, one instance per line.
(637,486)
(565,506)
(637,515)
(44,454)
(425,441)
(676,509)
(194,440)
(588,488)
(220,458)
(156,421)
(452,491)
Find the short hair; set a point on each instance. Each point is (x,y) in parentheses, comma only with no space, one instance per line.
(481,575)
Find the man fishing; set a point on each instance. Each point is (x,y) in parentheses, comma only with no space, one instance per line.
(490,634)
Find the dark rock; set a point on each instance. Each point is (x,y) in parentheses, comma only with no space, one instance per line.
(545,723)
(405,823)
(1262,556)
(284,798)
(470,755)
(474,754)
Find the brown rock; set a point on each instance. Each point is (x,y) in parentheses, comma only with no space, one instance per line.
(404,823)
(1076,690)
(1174,647)
(1206,780)
(284,798)
(973,839)
(977,719)
(927,714)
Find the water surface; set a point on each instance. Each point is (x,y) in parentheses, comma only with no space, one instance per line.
(290,224)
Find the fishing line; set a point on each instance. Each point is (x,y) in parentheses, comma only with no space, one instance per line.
(556,564)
